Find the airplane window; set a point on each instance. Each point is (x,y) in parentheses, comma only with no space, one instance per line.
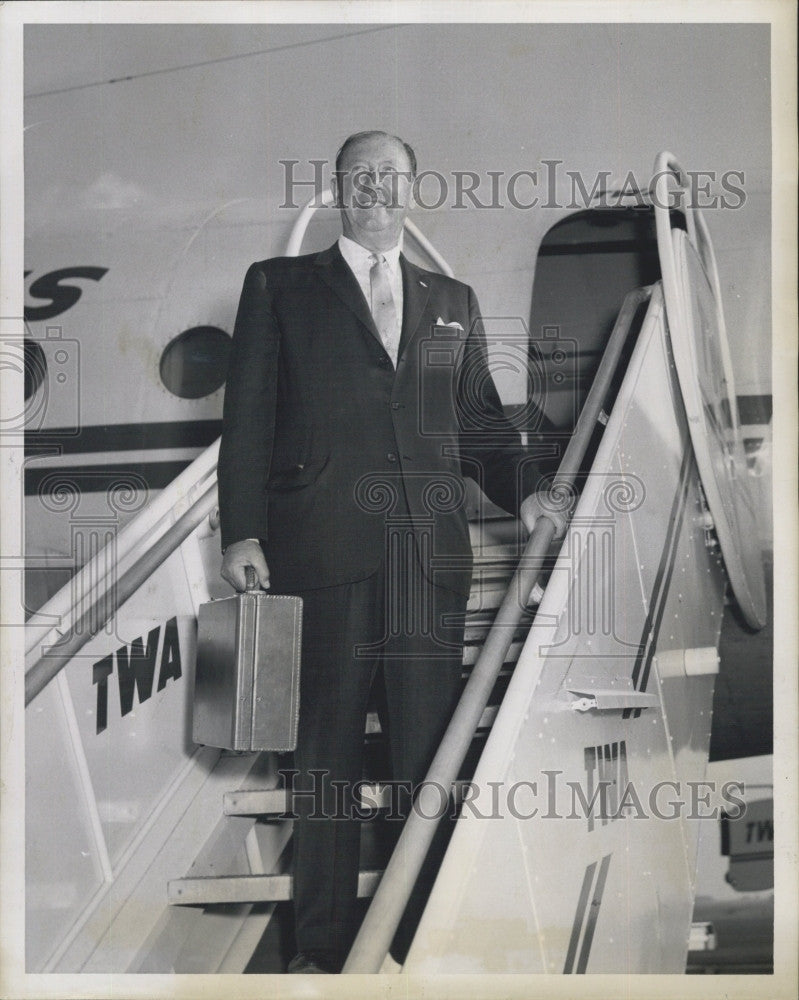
(194,364)
(35,367)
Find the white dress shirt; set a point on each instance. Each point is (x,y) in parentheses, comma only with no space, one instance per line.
(359,261)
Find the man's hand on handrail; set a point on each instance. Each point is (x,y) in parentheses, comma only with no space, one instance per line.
(554,505)
(238,556)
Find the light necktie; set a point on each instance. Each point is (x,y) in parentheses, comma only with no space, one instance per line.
(384,311)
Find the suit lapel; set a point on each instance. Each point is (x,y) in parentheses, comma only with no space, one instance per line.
(415,293)
(333,270)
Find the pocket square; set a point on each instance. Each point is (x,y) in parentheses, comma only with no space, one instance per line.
(454,324)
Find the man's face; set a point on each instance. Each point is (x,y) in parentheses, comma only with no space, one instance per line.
(373,191)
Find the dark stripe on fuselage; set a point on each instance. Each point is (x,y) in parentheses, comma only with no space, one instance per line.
(200,433)
(100,478)
(125,437)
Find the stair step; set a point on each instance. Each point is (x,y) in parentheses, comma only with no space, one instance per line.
(274,801)
(486,720)
(478,625)
(211,889)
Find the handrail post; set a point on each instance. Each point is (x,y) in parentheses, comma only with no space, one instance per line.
(325,201)
(666,167)
(383,916)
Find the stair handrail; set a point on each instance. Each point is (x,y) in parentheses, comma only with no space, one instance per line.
(377,930)
(95,572)
(111,598)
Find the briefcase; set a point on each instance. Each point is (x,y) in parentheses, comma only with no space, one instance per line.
(247,680)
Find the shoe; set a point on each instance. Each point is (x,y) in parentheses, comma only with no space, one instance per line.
(308,964)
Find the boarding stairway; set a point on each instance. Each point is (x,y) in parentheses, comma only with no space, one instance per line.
(188,882)
(245,857)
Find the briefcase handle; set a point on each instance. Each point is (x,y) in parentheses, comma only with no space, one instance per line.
(250,579)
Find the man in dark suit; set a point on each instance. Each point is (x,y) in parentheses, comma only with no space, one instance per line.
(358,396)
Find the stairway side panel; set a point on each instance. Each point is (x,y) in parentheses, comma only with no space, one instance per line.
(608,879)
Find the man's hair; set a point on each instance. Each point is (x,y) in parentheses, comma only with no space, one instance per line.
(351,140)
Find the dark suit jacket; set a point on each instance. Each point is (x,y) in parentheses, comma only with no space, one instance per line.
(323,443)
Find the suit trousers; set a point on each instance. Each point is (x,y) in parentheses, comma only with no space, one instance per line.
(394,620)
